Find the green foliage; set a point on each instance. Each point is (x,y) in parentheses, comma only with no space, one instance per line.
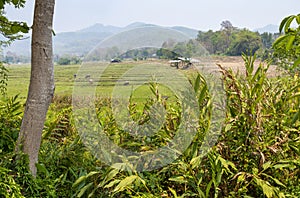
(287,46)
(244,41)
(257,154)
(8,187)
(3,79)
(231,41)
(12,30)
(260,131)
(10,121)
(69,60)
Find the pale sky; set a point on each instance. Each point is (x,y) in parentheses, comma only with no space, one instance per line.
(72,15)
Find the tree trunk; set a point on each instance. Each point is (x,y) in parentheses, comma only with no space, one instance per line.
(41,88)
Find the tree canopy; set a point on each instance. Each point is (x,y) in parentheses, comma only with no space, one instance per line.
(11,30)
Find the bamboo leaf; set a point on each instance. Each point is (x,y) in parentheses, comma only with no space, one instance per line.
(173,192)
(197,83)
(112,183)
(195,162)
(296,117)
(109,176)
(79,180)
(179,179)
(84,189)
(125,182)
(92,173)
(268,190)
(266,165)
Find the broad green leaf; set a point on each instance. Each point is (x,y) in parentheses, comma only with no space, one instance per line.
(296,95)
(228,127)
(290,42)
(92,173)
(288,23)
(84,189)
(112,183)
(266,165)
(298,19)
(125,182)
(268,190)
(296,63)
(280,166)
(179,179)
(282,24)
(109,176)
(79,180)
(241,178)
(279,40)
(173,192)
(195,162)
(279,182)
(208,187)
(226,164)
(15,29)
(197,83)
(255,171)
(202,94)
(15,2)
(296,117)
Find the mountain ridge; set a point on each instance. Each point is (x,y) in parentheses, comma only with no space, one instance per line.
(80,42)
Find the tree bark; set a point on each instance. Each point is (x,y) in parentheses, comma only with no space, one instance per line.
(41,87)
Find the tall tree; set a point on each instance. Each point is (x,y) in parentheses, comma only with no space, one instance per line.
(41,88)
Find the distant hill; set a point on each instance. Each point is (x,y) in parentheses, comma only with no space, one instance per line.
(84,40)
(98,27)
(268,28)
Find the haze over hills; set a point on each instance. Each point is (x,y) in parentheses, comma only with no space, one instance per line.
(268,28)
(84,40)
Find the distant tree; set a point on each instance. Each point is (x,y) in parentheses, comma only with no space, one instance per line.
(166,54)
(207,40)
(69,60)
(246,42)
(267,39)
(227,25)
(229,40)
(64,61)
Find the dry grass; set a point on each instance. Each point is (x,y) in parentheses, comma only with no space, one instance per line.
(236,63)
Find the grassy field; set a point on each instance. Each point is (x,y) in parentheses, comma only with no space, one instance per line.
(127,75)
(19,76)
(94,77)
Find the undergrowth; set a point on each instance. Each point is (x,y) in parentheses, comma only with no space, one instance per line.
(257,153)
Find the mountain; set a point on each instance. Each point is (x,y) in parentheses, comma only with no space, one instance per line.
(187,31)
(82,41)
(98,27)
(268,28)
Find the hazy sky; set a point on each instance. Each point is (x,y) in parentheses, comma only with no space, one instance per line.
(73,15)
